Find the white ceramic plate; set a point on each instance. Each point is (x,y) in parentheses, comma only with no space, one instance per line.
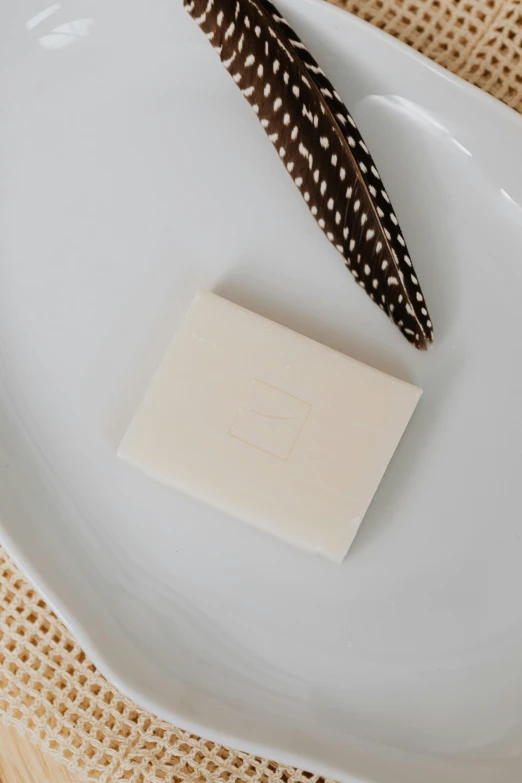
(133,173)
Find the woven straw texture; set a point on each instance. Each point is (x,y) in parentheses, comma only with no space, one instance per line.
(48,687)
(51,691)
(480,40)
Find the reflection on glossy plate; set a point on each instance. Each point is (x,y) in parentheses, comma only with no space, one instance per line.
(134,174)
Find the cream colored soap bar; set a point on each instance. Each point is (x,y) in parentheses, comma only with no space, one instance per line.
(270,426)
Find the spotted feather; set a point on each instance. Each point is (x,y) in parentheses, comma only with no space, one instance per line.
(318,142)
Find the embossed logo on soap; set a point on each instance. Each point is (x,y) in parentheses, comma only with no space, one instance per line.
(270,419)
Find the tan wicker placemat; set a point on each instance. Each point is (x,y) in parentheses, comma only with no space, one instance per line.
(51,691)
(480,40)
(48,688)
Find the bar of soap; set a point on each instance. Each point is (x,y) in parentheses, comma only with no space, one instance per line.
(269,426)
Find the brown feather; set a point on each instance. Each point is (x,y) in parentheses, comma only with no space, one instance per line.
(322,149)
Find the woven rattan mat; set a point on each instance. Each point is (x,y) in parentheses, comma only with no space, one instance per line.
(48,688)
(480,40)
